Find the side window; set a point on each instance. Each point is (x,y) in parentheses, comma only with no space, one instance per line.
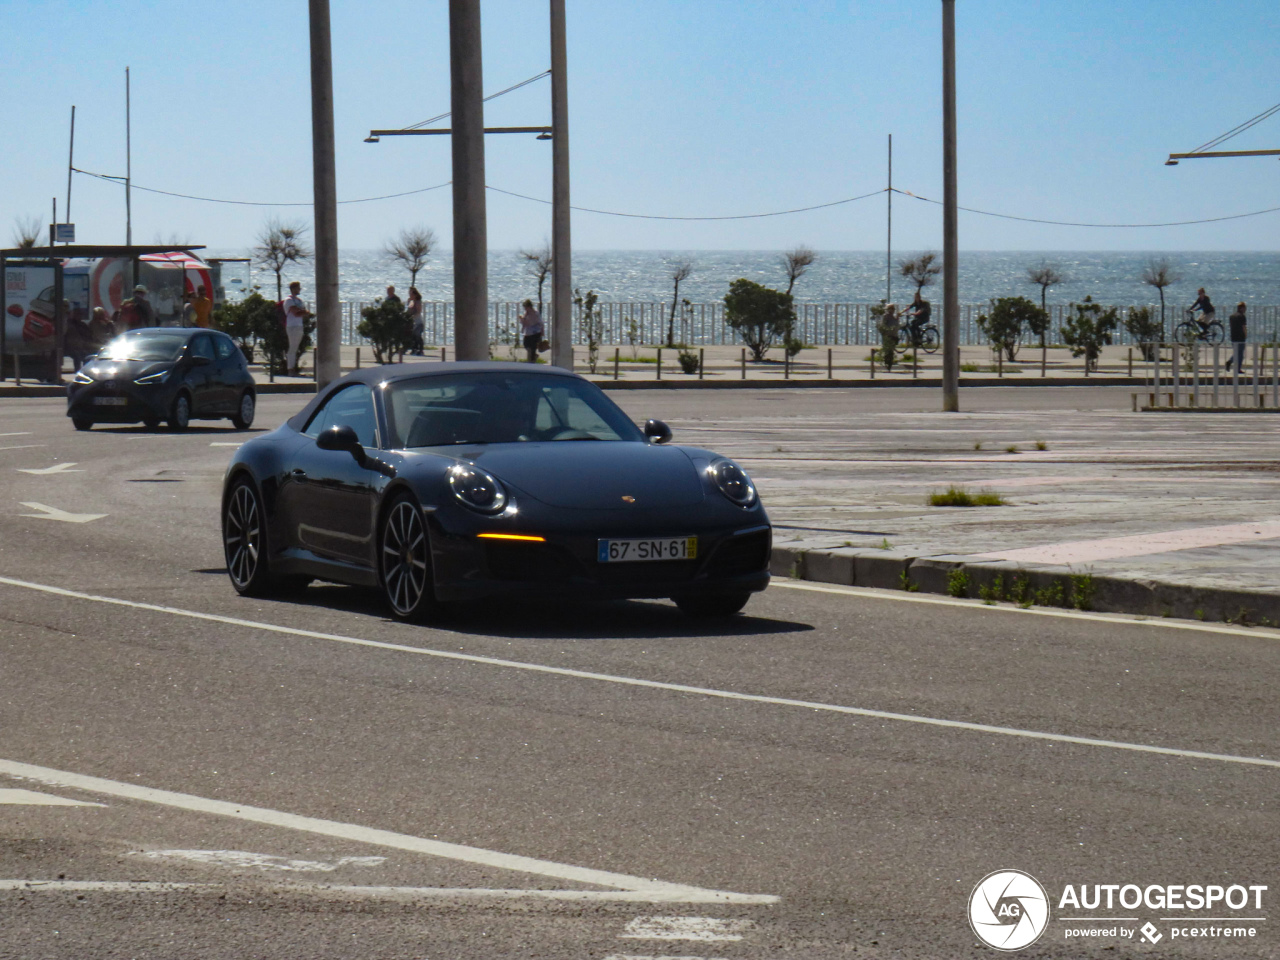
(353,407)
(224,346)
(201,347)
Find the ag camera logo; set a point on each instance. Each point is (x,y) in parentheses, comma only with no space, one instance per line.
(1008,910)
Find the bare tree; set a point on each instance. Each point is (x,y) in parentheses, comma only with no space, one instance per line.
(679,272)
(1046,275)
(412,248)
(280,244)
(538,263)
(26,232)
(1160,274)
(796,262)
(175,241)
(922,270)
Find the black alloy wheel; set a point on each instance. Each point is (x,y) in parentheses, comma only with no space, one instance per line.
(244,539)
(714,605)
(242,419)
(405,562)
(180,412)
(82,423)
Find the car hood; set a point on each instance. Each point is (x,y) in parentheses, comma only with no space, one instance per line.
(596,475)
(125,369)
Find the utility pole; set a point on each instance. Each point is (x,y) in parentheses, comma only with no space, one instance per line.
(888,246)
(128,171)
(470,231)
(561,247)
(328,357)
(71,159)
(950,214)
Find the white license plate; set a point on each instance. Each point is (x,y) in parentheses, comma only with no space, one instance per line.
(111,401)
(635,551)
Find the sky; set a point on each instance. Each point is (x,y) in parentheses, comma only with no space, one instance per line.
(678,108)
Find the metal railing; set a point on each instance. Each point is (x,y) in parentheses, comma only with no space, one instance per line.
(702,324)
(1196,376)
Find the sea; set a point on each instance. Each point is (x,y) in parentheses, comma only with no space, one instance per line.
(836,276)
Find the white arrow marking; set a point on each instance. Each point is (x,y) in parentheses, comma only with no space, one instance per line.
(53,513)
(56,468)
(36,799)
(262,861)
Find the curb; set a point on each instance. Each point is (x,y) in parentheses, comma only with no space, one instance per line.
(1044,585)
(53,390)
(847,384)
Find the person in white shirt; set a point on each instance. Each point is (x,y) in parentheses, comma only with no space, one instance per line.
(295,312)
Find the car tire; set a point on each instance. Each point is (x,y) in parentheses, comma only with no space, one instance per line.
(82,423)
(715,605)
(180,413)
(151,423)
(242,419)
(244,543)
(404,562)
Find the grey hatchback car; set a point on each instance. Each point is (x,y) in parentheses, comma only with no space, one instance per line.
(174,374)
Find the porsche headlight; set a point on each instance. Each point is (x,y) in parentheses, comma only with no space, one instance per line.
(477,489)
(160,377)
(733,482)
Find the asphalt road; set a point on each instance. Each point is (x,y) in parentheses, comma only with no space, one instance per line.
(188,774)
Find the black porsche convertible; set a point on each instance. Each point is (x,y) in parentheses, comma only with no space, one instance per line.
(453,481)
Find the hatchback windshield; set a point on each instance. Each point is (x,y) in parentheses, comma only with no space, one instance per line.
(145,345)
(501,408)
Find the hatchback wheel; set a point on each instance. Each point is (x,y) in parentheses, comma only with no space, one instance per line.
(406,562)
(180,412)
(242,419)
(82,423)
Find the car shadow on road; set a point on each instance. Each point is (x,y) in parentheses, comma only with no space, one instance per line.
(539,619)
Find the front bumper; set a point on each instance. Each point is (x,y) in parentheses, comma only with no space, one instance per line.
(117,401)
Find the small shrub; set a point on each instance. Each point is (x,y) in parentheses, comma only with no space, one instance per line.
(978,445)
(688,358)
(885,544)
(905,579)
(959,497)
(1041,445)
(958,582)
(1082,589)
(1011,449)
(992,592)
(1198,613)
(1051,596)
(1020,592)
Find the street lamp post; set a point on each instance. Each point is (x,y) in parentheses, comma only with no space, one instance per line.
(561,253)
(950,215)
(470,230)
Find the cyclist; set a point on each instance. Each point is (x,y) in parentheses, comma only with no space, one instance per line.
(1205,306)
(916,317)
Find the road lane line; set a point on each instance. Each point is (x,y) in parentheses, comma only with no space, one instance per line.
(658,890)
(31,798)
(685,928)
(67,467)
(347,891)
(1129,619)
(658,684)
(54,513)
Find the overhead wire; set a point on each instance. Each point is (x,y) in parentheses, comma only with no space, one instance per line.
(739,216)
(492,96)
(1237,130)
(256,203)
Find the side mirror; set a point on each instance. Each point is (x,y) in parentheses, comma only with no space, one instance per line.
(341,437)
(657,431)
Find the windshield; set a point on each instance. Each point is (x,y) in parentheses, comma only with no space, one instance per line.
(145,345)
(501,408)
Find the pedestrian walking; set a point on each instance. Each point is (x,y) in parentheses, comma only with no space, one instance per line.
(418,324)
(295,315)
(531,326)
(1239,331)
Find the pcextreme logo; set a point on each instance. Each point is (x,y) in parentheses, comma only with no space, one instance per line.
(1008,910)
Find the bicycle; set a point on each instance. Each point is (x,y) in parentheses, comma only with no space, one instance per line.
(1195,329)
(924,338)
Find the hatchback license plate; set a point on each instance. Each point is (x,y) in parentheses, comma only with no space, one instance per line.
(635,551)
(111,401)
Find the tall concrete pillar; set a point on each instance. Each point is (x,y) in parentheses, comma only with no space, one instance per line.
(950,215)
(470,232)
(324,176)
(561,247)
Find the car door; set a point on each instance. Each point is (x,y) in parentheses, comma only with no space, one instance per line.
(201,376)
(227,373)
(328,497)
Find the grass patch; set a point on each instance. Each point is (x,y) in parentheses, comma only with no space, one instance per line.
(960,497)
(1041,445)
(958,583)
(1012,449)
(978,445)
(979,368)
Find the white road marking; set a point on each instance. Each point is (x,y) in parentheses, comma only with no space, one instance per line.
(33,799)
(23,446)
(19,433)
(686,688)
(685,928)
(53,513)
(650,956)
(218,444)
(1129,619)
(260,861)
(642,889)
(348,892)
(56,468)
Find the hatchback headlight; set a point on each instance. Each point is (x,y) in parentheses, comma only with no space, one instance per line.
(160,377)
(82,377)
(477,489)
(733,482)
